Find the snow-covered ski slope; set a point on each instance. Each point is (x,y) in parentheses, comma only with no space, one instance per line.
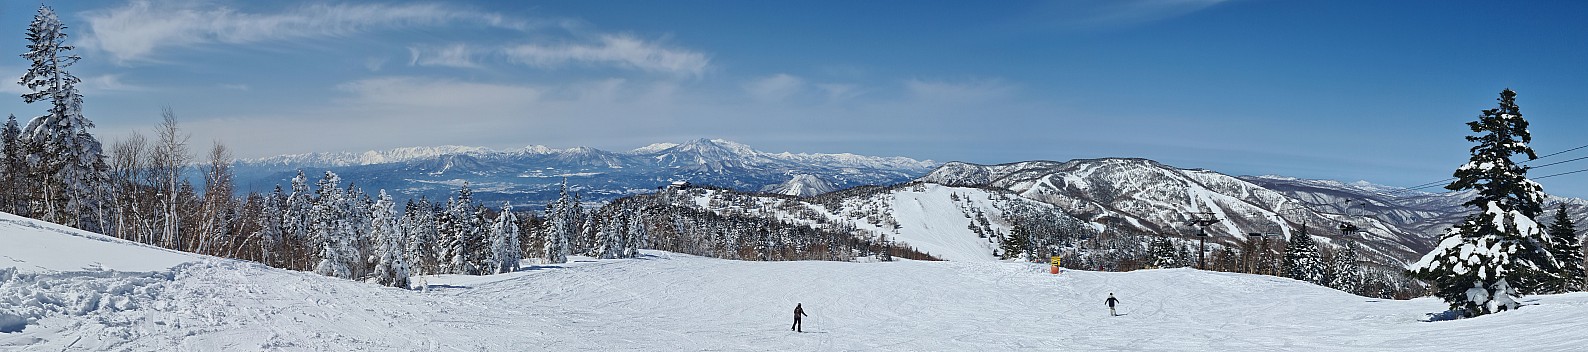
(33,246)
(664,301)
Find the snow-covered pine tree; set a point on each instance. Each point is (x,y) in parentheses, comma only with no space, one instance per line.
(1163,253)
(1568,251)
(419,223)
(15,167)
(563,216)
(1498,253)
(636,234)
(449,253)
(75,177)
(1302,261)
(609,234)
(505,252)
(391,265)
(1344,272)
(358,225)
(1014,245)
(332,232)
(269,234)
(479,250)
(296,227)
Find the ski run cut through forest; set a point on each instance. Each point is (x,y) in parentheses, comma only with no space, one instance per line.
(72,290)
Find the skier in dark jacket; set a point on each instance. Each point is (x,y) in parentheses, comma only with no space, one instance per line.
(798,312)
(1110,302)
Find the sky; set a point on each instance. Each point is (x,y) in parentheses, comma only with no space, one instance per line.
(1345,90)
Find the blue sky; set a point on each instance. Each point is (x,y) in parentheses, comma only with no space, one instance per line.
(1346,90)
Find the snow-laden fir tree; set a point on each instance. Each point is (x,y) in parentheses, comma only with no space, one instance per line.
(419,222)
(1498,253)
(69,159)
(296,220)
(269,234)
(563,220)
(1344,272)
(358,222)
(450,246)
(505,251)
(15,167)
(611,235)
(1302,261)
(463,235)
(479,250)
(1163,253)
(1014,245)
(332,232)
(391,264)
(1567,249)
(636,234)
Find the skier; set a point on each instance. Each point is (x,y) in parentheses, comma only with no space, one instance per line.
(798,312)
(1110,302)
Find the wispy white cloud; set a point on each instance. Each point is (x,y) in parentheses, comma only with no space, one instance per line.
(140,29)
(838,92)
(1095,14)
(235,86)
(109,83)
(775,87)
(613,49)
(972,91)
(457,55)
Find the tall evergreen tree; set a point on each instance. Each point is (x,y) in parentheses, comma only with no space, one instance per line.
(333,234)
(635,235)
(1344,272)
(419,222)
(69,159)
(1302,260)
(1014,245)
(391,267)
(1163,253)
(563,217)
(295,223)
(15,168)
(505,251)
(1498,253)
(270,236)
(1567,249)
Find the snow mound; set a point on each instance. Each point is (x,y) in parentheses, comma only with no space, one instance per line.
(33,246)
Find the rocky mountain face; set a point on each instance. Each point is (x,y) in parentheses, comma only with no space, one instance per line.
(532,175)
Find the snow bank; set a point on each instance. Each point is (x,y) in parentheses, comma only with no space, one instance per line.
(33,246)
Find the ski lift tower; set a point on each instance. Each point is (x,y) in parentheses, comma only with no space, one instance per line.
(1202,221)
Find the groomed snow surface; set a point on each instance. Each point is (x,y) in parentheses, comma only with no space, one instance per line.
(665,301)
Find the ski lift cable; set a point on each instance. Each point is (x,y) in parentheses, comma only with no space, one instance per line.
(1447,180)
(1560,162)
(1561,173)
(1560,152)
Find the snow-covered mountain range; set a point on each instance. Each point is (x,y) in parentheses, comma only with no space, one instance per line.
(961,200)
(532,174)
(1396,225)
(1144,195)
